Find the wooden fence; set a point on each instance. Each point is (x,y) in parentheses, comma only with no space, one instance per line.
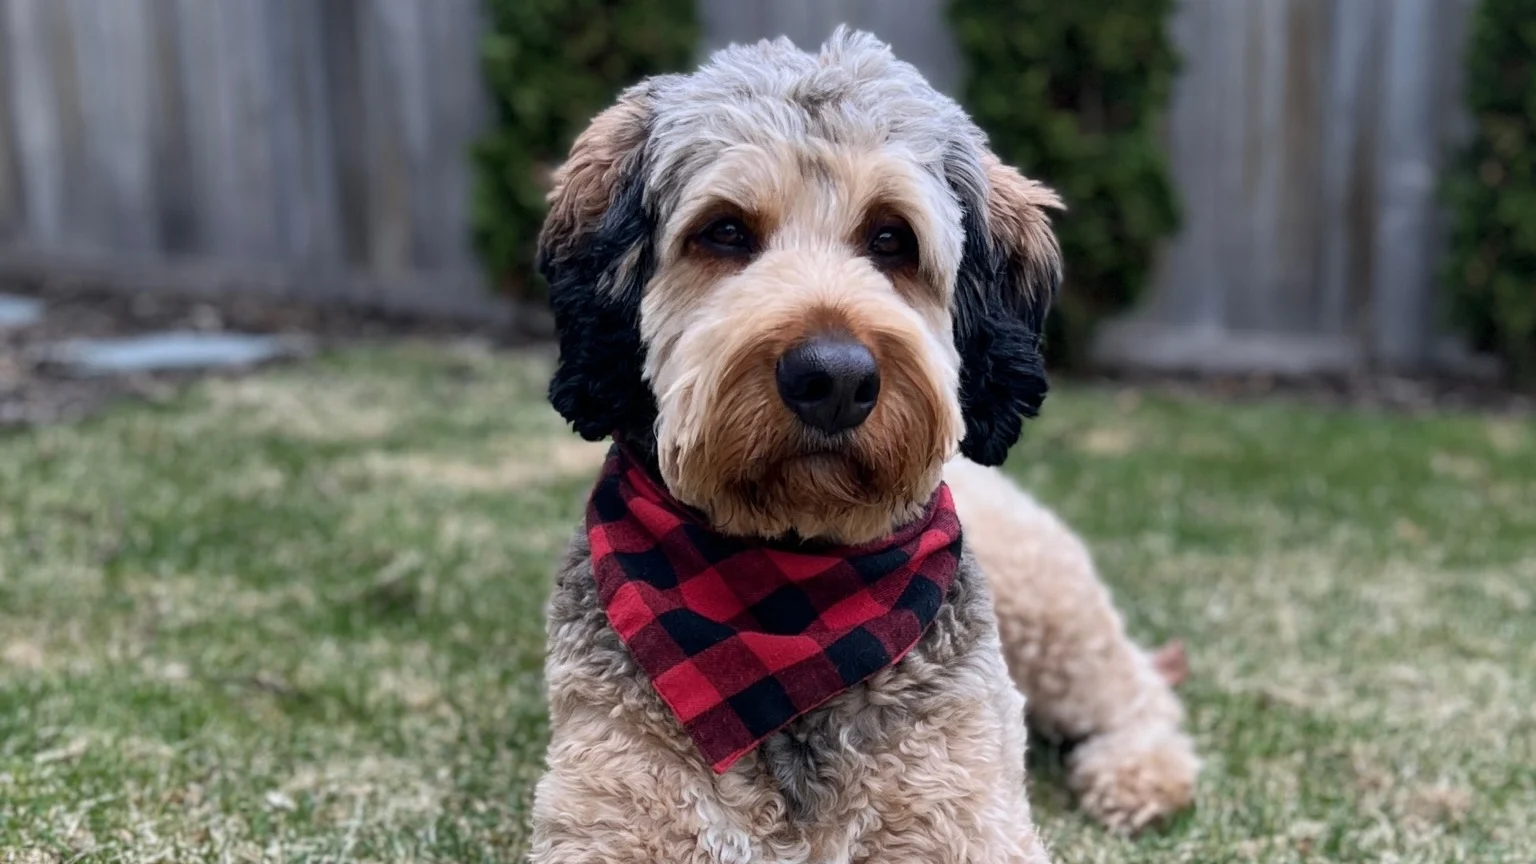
(312,146)
(321,146)
(1307,139)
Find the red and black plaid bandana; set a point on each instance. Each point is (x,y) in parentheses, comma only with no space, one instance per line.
(739,638)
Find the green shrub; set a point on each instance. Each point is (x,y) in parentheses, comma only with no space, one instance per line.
(1072,93)
(550,65)
(1490,274)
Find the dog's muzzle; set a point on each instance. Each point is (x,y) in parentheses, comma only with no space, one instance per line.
(830,382)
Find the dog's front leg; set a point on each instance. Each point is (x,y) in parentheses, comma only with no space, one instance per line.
(956,792)
(611,797)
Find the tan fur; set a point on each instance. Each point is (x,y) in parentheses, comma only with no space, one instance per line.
(728,445)
(1017,207)
(583,186)
(1067,649)
(924,762)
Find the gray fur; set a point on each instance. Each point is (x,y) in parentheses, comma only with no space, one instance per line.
(855,91)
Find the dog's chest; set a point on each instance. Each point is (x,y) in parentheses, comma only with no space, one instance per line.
(824,758)
(848,770)
(815,792)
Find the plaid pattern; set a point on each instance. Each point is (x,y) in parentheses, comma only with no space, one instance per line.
(740,638)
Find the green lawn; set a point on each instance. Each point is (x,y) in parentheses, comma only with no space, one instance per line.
(298,617)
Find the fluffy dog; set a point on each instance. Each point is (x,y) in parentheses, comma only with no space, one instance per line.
(801,294)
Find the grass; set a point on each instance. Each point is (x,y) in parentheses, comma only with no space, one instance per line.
(297,617)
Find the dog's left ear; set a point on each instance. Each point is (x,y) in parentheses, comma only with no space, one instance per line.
(595,251)
(1009,274)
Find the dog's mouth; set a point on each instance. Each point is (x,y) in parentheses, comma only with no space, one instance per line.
(827,460)
(809,479)
(826,451)
(834,489)
(813,450)
(837,464)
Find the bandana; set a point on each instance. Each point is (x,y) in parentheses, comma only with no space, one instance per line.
(740,637)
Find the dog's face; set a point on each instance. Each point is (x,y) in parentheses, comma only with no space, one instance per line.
(802,283)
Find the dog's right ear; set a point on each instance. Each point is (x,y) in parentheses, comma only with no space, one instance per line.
(1009,273)
(596,253)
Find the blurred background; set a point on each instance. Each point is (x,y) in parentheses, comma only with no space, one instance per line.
(1255,185)
(281,496)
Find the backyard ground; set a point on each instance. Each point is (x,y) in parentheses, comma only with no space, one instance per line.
(297,616)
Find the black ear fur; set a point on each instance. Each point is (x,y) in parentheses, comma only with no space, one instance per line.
(1000,309)
(595,284)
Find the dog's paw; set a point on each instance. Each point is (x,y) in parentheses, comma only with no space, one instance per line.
(1131,778)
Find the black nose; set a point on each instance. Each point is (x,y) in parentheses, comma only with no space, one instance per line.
(830,382)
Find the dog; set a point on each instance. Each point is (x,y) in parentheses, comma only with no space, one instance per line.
(804,301)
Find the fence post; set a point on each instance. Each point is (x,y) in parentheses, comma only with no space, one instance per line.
(1402,299)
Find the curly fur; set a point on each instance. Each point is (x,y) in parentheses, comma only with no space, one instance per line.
(671,128)
(674,353)
(596,253)
(1088,684)
(916,766)
(1007,279)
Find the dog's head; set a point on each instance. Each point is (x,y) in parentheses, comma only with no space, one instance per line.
(799,282)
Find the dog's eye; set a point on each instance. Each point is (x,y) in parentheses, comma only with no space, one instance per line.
(726,236)
(892,242)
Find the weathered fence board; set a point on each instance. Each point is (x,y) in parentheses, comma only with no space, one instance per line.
(275,145)
(34,129)
(1307,138)
(10,193)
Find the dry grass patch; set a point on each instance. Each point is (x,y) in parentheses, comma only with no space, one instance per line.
(318,410)
(505,467)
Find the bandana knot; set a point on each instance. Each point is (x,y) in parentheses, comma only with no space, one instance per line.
(740,637)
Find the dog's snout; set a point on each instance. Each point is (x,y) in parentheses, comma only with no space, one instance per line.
(830,382)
